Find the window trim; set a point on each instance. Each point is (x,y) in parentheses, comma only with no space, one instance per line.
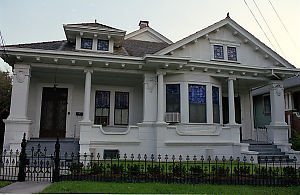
(121,109)
(179,96)
(220,105)
(225,45)
(188,99)
(108,121)
(97,47)
(82,43)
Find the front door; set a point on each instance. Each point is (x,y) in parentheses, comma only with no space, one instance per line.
(54,112)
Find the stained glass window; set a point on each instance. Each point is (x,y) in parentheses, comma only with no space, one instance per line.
(218,52)
(197,94)
(231,51)
(121,108)
(86,43)
(102,45)
(216,108)
(197,103)
(173,98)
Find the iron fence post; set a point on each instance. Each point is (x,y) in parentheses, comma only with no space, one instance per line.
(23,160)
(56,162)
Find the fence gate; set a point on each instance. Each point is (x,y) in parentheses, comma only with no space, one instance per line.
(31,164)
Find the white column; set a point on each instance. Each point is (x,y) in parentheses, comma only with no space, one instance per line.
(160,90)
(20,92)
(290,96)
(209,104)
(87,95)
(231,108)
(150,98)
(277,104)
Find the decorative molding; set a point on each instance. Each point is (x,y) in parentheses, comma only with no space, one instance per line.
(21,73)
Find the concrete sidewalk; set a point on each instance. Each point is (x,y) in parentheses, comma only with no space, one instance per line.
(26,187)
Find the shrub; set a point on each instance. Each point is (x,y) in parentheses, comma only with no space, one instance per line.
(289,171)
(133,170)
(196,170)
(116,169)
(220,170)
(242,170)
(96,168)
(295,140)
(178,170)
(155,170)
(75,167)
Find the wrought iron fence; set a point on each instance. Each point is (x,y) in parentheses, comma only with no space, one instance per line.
(36,164)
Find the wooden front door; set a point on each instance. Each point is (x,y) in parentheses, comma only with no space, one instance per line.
(54,112)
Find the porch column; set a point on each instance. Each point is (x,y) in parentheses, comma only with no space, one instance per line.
(20,92)
(160,90)
(278,129)
(231,108)
(87,95)
(17,122)
(277,103)
(150,98)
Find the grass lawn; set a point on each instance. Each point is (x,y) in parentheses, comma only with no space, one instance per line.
(4,183)
(160,188)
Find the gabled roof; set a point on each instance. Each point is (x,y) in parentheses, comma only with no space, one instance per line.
(156,34)
(236,27)
(93,24)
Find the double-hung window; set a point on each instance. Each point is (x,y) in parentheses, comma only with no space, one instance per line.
(197,103)
(173,98)
(102,45)
(121,108)
(102,105)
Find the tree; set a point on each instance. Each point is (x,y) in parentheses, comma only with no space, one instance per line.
(5,94)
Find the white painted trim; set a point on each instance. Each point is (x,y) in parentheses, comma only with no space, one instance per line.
(151,31)
(39,94)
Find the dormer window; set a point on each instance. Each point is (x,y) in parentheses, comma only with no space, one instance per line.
(231,52)
(86,43)
(103,45)
(218,52)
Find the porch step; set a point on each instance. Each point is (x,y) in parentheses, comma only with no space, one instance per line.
(47,146)
(269,151)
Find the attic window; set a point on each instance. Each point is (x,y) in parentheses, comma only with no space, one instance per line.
(102,45)
(218,52)
(231,52)
(86,43)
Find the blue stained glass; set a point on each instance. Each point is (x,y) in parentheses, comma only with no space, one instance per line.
(231,51)
(215,95)
(197,94)
(218,52)
(173,89)
(102,99)
(102,45)
(86,43)
(121,100)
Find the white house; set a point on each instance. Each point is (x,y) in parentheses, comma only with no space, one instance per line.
(141,93)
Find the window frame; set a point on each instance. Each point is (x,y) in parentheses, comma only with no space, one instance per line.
(225,45)
(198,84)
(81,43)
(98,41)
(179,97)
(108,117)
(120,109)
(219,103)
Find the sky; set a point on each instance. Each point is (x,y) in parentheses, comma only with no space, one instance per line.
(41,20)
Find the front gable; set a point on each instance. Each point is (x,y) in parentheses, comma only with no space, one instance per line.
(147,34)
(227,35)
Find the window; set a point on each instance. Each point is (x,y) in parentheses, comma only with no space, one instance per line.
(197,103)
(121,108)
(231,53)
(173,98)
(267,105)
(102,108)
(86,43)
(218,52)
(102,45)
(110,154)
(216,107)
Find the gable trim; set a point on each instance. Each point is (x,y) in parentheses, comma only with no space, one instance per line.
(151,31)
(238,30)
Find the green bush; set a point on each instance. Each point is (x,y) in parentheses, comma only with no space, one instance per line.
(75,167)
(220,170)
(196,170)
(133,170)
(295,141)
(96,168)
(242,170)
(154,170)
(116,169)
(289,171)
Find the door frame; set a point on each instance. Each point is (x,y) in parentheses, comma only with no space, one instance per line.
(69,132)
